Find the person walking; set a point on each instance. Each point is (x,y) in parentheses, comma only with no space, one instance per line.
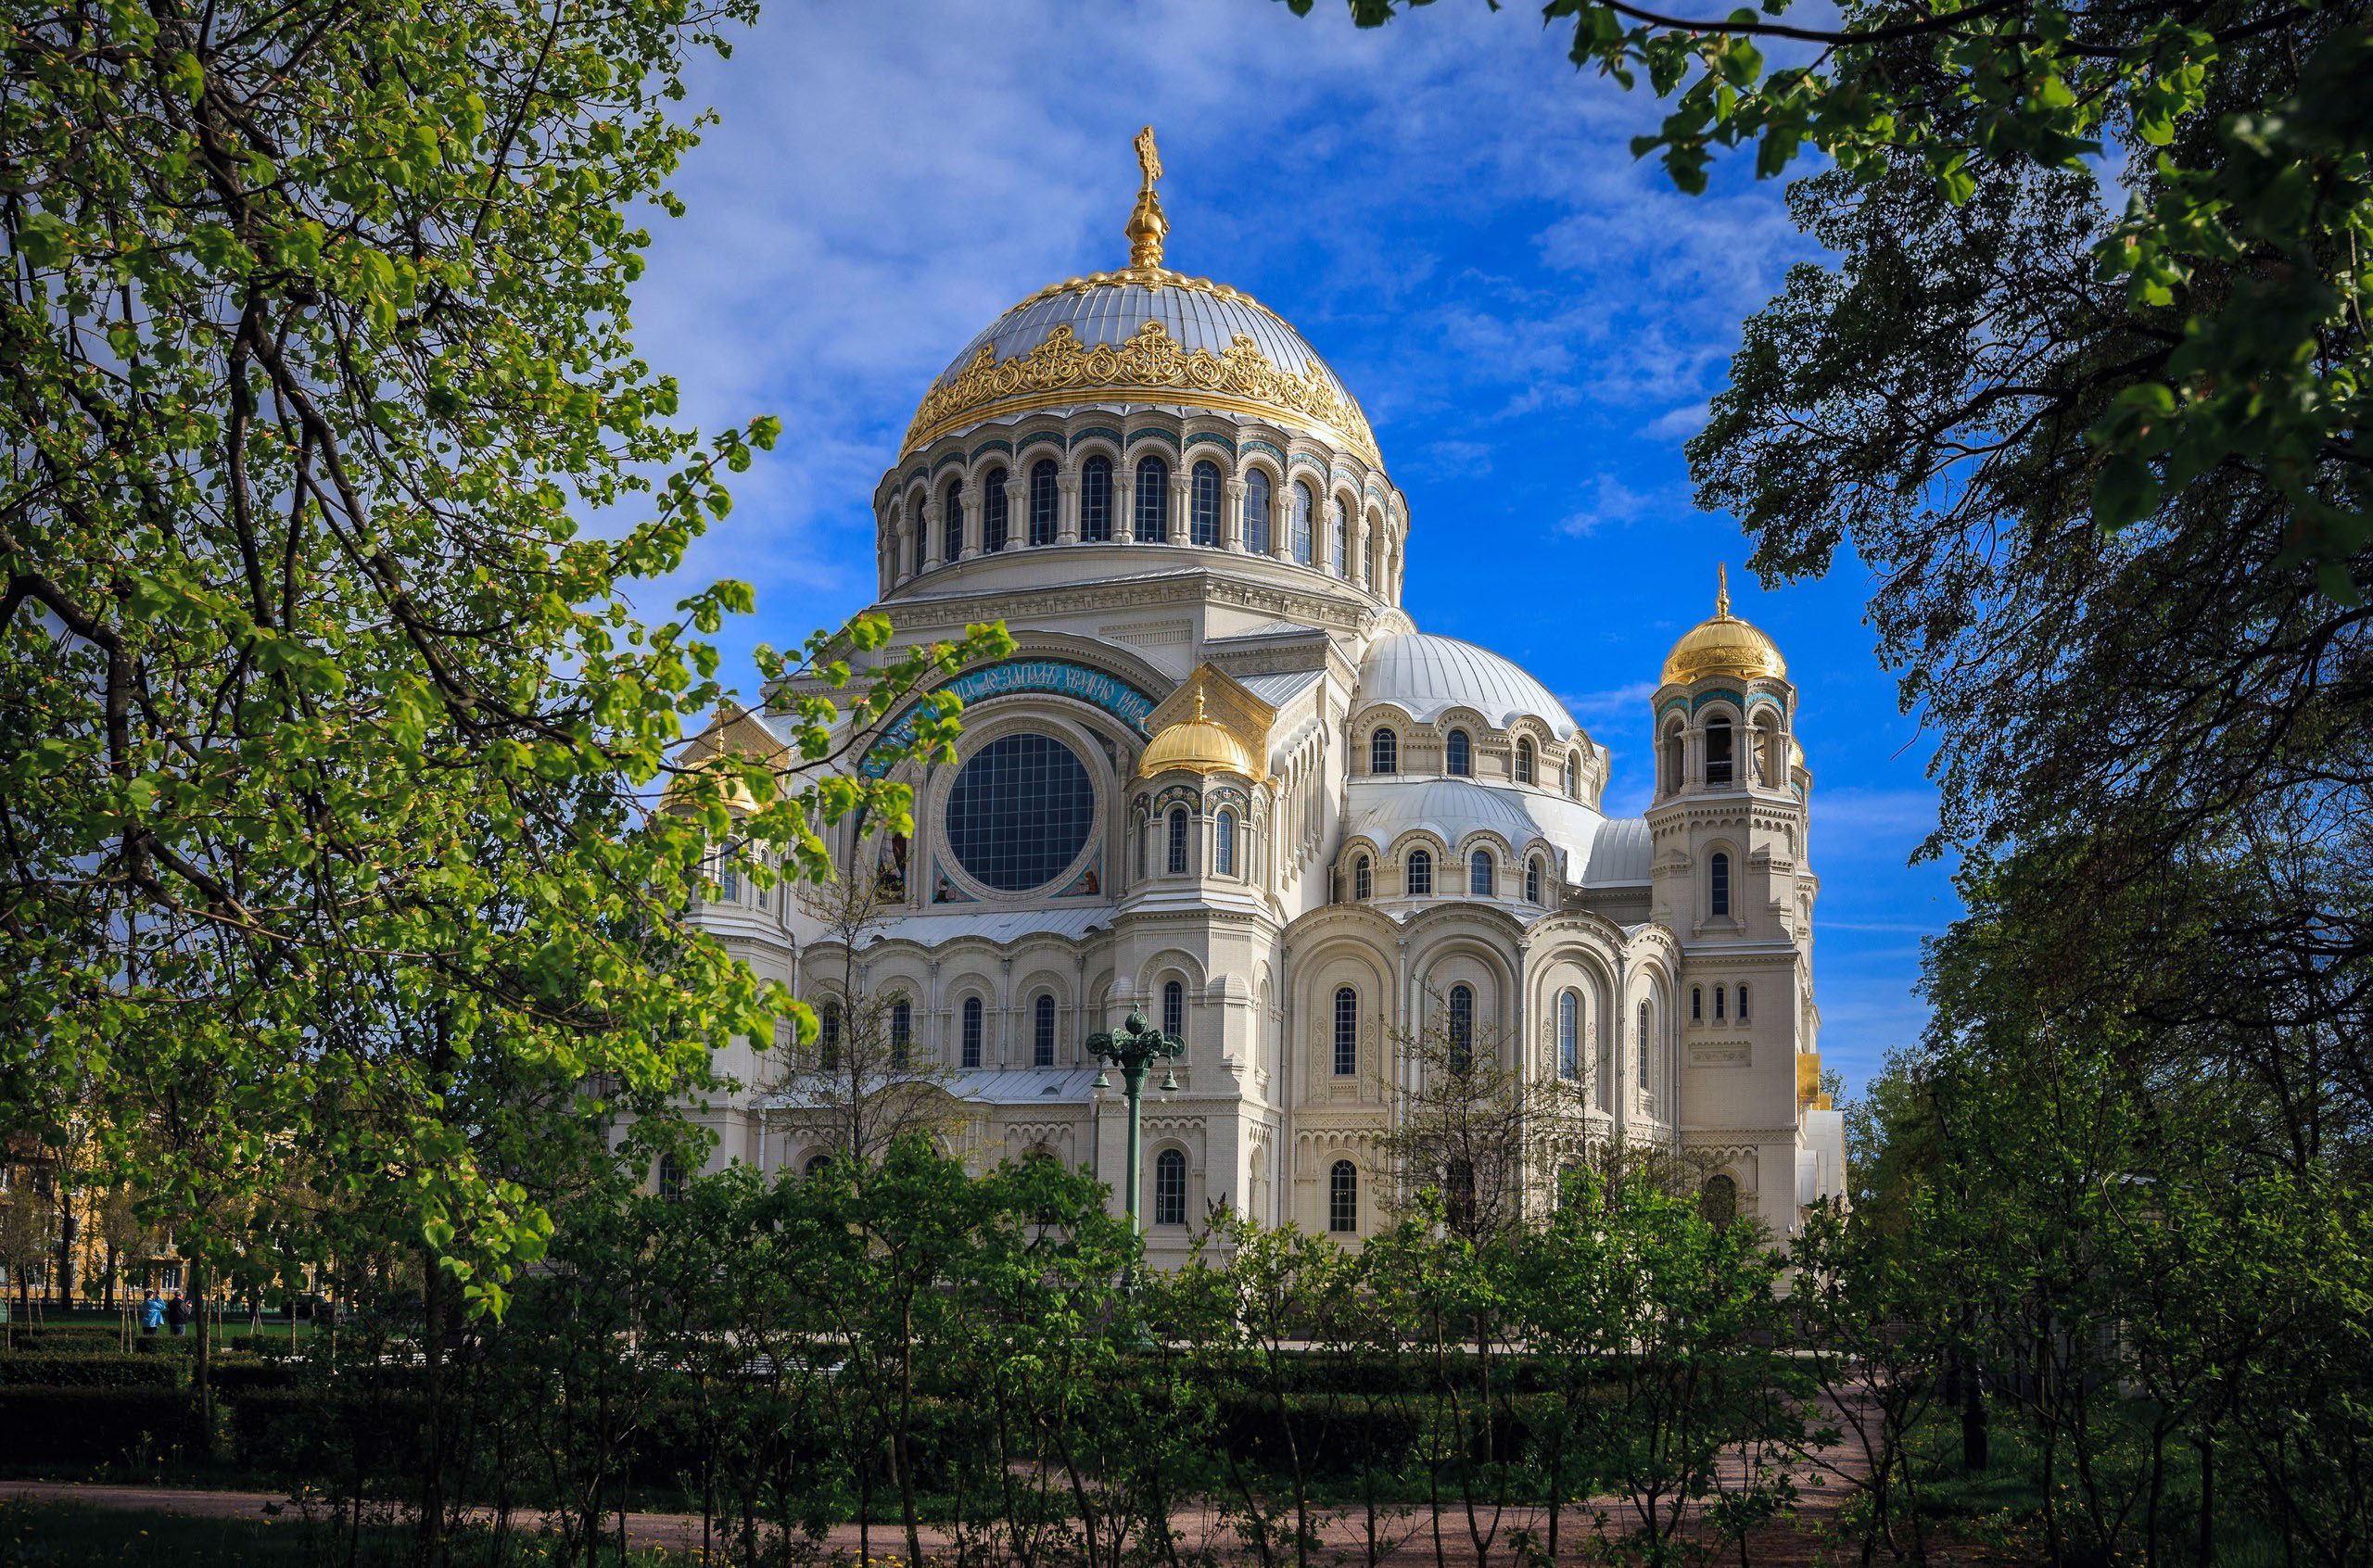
(178,1314)
(152,1312)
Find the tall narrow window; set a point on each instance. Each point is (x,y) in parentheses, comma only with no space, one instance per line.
(1173,1011)
(1717,1201)
(1458,1193)
(1347,1031)
(972,1057)
(1343,1198)
(1363,879)
(1204,505)
(922,533)
(1718,884)
(1720,1010)
(1573,779)
(1256,512)
(1742,1003)
(828,1039)
(1095,501)
(1570,1035)
(951,521)
(1153,501)
(1462,1028)
(1042,1031)
(995,513)
(1304,504)
(1338,540)
(1169,1188)
(1224,844)
(1042,502)
(902,1032)
(1461,755)
(1532,880)
(1718,749)
(1640,1047)
(729,884)
(1481,882)
(670,1183)
(1421,874)
(1524,762)
(1177,861)
(1670,756)
(1383,752)
(1373,577)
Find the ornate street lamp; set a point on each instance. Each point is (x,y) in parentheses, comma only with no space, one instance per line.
(1133,1047)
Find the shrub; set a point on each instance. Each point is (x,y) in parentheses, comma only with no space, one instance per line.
(299,1431)
(74,1369)
(98,1425)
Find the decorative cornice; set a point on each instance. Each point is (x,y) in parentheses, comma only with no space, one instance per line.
(1154,431)
(1149,366)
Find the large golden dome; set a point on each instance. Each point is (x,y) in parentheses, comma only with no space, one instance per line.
(1723,645)
(1143,335)
(1197,745)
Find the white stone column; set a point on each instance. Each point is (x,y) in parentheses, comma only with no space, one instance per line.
(1067,505)
(1232,516)
(1124,504)
(931,532)
(1017,512)
(1176,533)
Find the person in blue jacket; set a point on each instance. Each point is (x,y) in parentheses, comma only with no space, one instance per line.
(152,1314)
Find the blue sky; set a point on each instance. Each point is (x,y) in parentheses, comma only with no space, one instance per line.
(1445,208)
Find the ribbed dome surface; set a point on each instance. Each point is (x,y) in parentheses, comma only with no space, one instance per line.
(1426,674)
(1199,746)
(1197,314)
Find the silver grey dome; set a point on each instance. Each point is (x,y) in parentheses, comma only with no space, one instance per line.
(1424,675)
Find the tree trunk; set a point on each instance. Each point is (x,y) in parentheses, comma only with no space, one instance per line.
(429,1545)
(1975,1445)
(201,1379)
(69,1228)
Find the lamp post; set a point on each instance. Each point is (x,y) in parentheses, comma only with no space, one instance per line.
(1133,1047)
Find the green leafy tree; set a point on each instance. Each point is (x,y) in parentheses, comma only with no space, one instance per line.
(332,735)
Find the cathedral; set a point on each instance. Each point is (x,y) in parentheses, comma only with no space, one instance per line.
(1223,780)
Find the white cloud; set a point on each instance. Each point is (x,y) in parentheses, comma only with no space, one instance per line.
(1679,425)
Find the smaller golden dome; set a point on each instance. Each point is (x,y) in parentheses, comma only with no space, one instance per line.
(1197,745)
(1723,646)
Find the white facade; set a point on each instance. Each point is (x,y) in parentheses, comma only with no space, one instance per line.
(1278,790)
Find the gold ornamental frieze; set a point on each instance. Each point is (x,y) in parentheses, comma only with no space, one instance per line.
(1149,366)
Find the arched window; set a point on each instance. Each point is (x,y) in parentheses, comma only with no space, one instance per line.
(828,1039)
(1671,758)
(1173,1011)
(1153,500)
(1532,880)
(902,1032)
(1742,1003)
(817,1164)
(1696,1005)
(1421,874)
(1524,762)
(728,882)
(1718,884)
(1640,1047)
(1343,1197)
(1347,1031)
(1363,882)
(1042,502)
(1570,1035)
(1338,540)
(1169,1188)
(1718,1200)
(1480,883)
(951,521)
(1095,501)
(922,531)
(670,1181)
(1304,504)
(1256,512)
(1462,1028)
(972,1057)
(1224,844)
(1042,1031)
(1204,505)
(1375,577)
(1719,1011)
(1460,753)
(1573,779)
(1383,752)
(995,513)
(1718,749)
(1178,862)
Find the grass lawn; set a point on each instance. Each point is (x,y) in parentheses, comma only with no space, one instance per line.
(35,1534)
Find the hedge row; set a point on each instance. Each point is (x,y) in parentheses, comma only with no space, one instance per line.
(98,1425)
(60,1369)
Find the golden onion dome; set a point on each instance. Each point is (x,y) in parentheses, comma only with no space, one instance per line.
(1197,745)
(1723,645)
